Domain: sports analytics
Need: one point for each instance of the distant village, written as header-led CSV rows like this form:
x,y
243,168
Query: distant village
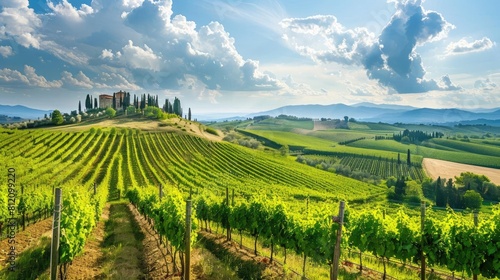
x,y
122,100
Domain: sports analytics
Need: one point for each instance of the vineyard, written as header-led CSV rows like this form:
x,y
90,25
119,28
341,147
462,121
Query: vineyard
x,y
384,168
126,158
281,204
458,243
377,166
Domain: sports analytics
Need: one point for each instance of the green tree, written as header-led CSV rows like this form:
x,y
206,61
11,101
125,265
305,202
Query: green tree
x,y
284,150
189,114
400,188
79,107
110,112
441,193
391,181
429,189
452,194
472,200
143,102
57,117
130,110
473,181
408,159
177,107
492,192
95,103
88,103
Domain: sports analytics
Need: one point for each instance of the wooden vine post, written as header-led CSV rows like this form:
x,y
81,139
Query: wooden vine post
x,y
24,208
228,229
334,270
476,222
56,231
232,199
187,265
422,226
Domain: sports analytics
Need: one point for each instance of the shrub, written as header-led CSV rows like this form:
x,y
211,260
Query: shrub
x,y
212,131
472,199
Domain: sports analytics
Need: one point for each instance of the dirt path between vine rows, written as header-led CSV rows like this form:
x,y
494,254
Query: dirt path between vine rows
x,y
89,264
25,239
124,246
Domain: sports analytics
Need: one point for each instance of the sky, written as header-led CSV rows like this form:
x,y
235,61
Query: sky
x,y
241,56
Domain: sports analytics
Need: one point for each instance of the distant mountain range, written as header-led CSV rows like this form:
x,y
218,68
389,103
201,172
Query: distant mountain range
x,y
22,112
389,113
362,111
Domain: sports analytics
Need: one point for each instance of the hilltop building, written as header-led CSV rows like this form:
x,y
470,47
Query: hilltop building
x,y
119,97
105,101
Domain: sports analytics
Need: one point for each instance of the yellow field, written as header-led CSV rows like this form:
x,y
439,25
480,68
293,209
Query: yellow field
x,y
447,169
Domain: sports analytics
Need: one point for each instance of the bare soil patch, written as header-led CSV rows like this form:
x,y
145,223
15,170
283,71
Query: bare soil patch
x,y
26,239
447,169
324,125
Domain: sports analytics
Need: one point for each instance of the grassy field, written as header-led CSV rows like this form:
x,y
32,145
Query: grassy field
x,y
322,145
475,145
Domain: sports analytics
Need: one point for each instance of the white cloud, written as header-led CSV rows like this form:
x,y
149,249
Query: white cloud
x,y
106,54
463,46
79,81
139,40
324,39
39,81
140,58
132,3
29,78
115,81
19,22
300,89
485,84
65,9
13,76
391,58
6,51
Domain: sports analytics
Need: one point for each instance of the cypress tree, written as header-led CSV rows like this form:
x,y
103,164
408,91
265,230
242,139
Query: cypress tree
x,y
87,102
114,101
408,158
79,107
177,107
143,102
189,114
95,103
399,188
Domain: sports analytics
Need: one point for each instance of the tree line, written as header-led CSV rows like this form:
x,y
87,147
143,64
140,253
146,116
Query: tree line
x,y
468,190
139,103
415,136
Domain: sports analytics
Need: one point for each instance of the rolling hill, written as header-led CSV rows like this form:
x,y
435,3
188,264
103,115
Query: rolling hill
x,y
370,112
22,112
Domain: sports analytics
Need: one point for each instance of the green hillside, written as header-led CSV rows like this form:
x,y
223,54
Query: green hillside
x,y
124,158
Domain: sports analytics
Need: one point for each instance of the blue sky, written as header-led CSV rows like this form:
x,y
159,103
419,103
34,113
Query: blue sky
x,y
238,56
